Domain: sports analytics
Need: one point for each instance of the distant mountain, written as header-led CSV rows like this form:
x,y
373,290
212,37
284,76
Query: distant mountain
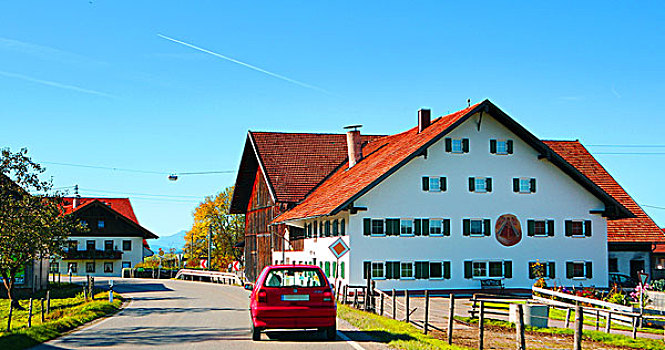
x,y
176,240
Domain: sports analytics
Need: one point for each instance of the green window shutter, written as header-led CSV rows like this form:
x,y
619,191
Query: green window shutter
x,y
488,184
327,268
552,270
396,227
449,144
446,227
446,269
416,229
367,265
532,272
389,227
444,183
531,225
492,146
550,228
425,269
533,185
569,269
389,270
589,269
465,145
466,224
341,269
342,226
509,146
419,270
335,228
396,271
569,228
487,227
425,225
334,269
367,226
425,183
516,184
587,228
472,184
468,269
508,269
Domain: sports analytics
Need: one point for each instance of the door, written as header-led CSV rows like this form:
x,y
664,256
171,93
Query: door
x,y
636,266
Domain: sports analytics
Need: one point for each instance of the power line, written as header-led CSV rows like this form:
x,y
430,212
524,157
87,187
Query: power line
x,y
634,146
141,194
652,206
140,171
632,153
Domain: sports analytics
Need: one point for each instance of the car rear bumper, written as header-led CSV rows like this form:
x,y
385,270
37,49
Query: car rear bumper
x,y
294,322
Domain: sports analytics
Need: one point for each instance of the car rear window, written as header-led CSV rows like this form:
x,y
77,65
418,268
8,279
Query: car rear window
x,y
294,277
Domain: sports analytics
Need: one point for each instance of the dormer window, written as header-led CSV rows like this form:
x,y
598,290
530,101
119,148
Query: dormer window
x,y
501,146
457,145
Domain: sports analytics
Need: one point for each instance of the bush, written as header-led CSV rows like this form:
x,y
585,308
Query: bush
x,y
658,285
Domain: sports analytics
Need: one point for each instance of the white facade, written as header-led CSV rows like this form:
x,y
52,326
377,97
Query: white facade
x,y
103,267
557,197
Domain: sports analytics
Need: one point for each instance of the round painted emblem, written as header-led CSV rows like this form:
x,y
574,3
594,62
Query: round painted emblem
x,y
508,230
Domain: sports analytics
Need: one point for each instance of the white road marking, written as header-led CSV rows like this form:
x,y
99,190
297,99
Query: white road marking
x,y
349,341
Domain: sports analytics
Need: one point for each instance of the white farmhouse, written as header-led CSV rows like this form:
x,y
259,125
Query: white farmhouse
x,y
114,239
467,200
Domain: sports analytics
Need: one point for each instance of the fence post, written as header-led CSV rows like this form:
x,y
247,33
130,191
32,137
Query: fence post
x,y
382,296
30,314
339,290
519,328
92,288
579,318
369,285
48,302
346,292
451,315
608,322
634,327
372,300
406,296
567,318
481,326
355,299
42,301
426,311
9,319
597,320
394,305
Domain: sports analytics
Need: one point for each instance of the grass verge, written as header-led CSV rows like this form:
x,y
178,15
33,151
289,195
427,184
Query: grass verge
x,y
396,334
557,314
609,339
66,314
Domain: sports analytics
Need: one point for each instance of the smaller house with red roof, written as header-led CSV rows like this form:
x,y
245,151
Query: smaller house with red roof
x,y
467,200
114,239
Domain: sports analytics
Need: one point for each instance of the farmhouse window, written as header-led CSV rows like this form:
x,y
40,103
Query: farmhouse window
x,y
436,270
579,269
480,184
542,269
90,245
492,269
377,270
406,270
108,267
90,267
501,146
108,245
524,185
540,228
578,228
457,145
406,227
100,223
476,227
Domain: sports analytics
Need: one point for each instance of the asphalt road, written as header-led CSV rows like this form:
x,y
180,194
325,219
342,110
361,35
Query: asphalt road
x,y
169,314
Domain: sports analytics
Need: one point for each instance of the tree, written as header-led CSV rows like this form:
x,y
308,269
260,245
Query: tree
x,y
33,223
227,231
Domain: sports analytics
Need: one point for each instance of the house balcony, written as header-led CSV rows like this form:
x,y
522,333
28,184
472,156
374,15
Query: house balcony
x,y
75,254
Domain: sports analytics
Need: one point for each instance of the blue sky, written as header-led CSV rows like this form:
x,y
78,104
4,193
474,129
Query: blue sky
x,y
93,83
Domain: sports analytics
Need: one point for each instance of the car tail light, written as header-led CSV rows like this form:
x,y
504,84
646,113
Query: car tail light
x,y
262,297
327,295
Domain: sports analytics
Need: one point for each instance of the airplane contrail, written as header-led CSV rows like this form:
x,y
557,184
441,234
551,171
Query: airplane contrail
x,y
245,64
54,84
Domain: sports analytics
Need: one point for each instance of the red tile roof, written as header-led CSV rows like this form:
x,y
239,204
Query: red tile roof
x,y
639,229
296,162
380,158
121,205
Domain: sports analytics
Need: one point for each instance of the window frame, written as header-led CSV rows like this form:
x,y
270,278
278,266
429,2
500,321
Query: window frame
x,y
525,185
584,272
107,263
482,227
382,265
473,269
406,234
434,182
453,143
89,263
479,180
413,270
383,227
443,272
486,264
101,224
500,142
440,226
575,223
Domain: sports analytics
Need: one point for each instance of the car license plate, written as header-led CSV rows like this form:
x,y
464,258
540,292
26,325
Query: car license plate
x,y
295,297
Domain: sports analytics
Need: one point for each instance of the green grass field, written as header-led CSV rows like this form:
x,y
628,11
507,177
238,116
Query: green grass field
x,y
68,311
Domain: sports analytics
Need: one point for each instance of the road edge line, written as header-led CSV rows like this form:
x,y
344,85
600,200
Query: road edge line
x,y
349,341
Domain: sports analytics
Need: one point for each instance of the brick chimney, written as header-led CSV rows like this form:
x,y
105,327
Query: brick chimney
x,y
424,119
77,197
354,144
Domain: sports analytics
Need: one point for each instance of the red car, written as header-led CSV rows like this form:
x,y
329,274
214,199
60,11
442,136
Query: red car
x,y
292,297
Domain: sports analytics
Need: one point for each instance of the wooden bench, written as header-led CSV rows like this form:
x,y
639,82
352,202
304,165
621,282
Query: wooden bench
x,y
491,284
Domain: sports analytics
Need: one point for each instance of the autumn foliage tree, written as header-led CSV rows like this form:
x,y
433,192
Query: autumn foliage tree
x,y
227,231
32,220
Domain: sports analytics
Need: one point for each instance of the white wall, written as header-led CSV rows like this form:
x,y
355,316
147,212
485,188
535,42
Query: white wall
x,y
133,256
624,258
558,197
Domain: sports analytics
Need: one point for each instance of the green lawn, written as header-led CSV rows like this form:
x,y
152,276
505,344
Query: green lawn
x,y
396,334
68,311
